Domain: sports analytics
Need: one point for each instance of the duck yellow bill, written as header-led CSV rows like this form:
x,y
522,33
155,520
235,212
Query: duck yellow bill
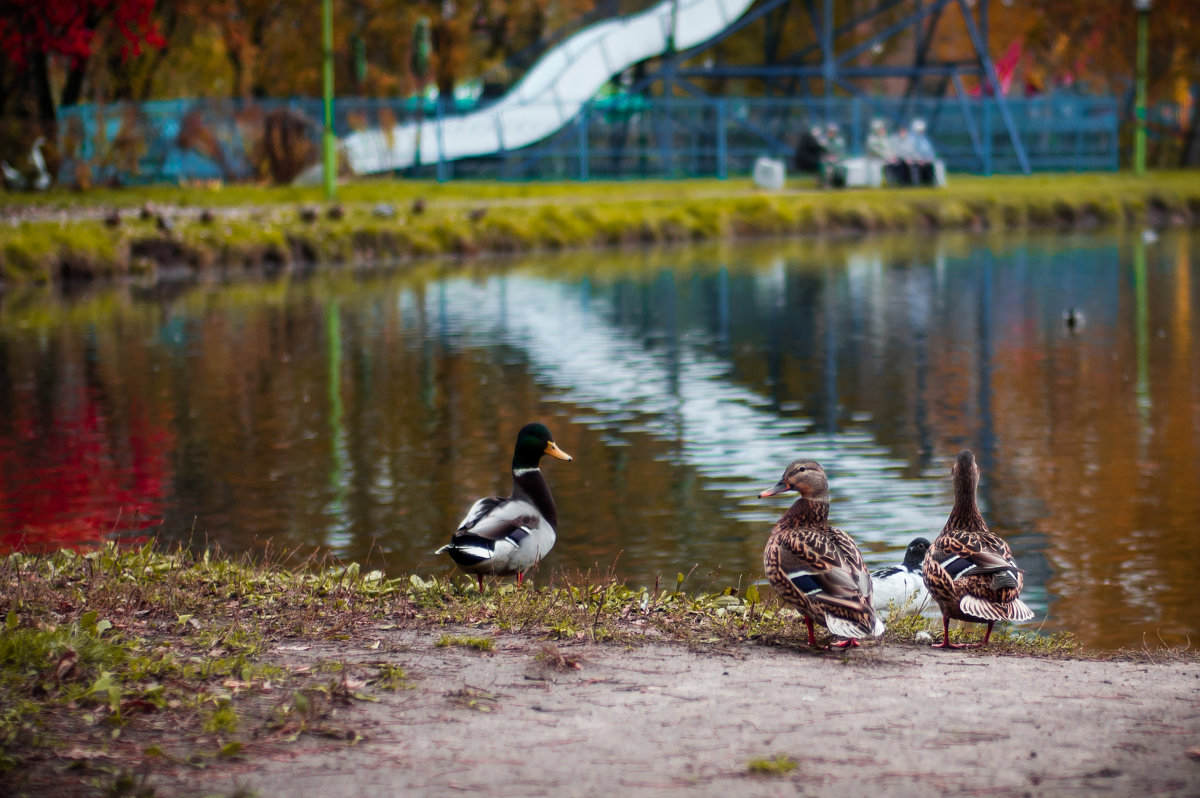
x,y
553,450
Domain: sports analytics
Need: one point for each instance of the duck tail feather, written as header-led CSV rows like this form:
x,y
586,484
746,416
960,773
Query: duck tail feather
x,y
842,627
984,610
1019,611
470,551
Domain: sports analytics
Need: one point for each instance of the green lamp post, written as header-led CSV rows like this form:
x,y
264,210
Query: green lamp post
x,y
1139,140
328,140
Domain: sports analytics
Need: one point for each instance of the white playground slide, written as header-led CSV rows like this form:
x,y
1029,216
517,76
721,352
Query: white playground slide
x,y
553,91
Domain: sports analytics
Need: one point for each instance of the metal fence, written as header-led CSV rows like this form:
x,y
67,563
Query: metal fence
x,y
613,138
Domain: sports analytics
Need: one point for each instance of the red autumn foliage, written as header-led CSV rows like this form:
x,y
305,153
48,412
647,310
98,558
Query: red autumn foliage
x,y
84,479
67,27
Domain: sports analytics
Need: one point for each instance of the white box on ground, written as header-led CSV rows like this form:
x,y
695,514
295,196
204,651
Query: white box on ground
x,y
769,173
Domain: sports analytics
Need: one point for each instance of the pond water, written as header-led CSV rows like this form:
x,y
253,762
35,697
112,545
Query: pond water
x,y
362,413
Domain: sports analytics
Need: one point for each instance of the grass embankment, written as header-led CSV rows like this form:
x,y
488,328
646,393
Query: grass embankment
x,y
140,231
118,660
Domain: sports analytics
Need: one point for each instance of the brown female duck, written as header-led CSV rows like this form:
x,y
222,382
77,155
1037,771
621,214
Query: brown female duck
x,y
816,567
970,572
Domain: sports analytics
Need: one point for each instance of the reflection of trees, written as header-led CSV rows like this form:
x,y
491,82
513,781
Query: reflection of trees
x,y
83,455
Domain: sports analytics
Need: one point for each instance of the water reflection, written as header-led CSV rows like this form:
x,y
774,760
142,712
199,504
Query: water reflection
x,y
365,413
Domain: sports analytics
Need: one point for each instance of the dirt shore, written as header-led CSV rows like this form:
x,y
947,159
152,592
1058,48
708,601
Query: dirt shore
x,y
534,718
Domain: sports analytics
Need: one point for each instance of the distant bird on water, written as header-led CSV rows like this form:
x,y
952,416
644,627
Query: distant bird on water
x,y
970,572
815,567
508,535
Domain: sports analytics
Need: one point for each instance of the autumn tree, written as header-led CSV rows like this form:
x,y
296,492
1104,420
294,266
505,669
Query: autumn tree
x,y
43,38
1094,45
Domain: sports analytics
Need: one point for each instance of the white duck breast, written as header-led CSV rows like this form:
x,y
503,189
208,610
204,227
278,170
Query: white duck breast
x,y
903,585
898,586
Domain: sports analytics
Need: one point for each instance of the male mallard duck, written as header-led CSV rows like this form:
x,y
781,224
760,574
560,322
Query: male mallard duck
x,y
508,535
969,571
817,567
903,585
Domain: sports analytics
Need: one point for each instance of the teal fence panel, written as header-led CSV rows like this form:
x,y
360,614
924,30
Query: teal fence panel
x,y
620,137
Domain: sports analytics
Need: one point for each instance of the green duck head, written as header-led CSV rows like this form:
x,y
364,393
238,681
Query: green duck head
x,y
533,441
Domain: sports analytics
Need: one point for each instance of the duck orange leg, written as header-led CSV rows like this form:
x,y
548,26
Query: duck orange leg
x,y
946,636
480,578
812,638
849,642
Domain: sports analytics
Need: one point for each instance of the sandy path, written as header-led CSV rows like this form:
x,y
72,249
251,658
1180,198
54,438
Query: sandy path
x,y
660,720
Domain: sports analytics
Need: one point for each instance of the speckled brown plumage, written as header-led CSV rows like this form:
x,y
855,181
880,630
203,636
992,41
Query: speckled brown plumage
x,y
970,571
816,567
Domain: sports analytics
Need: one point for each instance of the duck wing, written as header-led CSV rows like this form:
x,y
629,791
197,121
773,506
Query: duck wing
x,y
982,572
964,553
498,517
491,534
826,567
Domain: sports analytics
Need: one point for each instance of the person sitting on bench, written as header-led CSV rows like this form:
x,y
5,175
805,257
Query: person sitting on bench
x,y
833,170
810,151
923,155
879,147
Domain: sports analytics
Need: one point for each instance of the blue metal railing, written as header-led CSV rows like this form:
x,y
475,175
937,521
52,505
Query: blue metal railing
x,y
618,137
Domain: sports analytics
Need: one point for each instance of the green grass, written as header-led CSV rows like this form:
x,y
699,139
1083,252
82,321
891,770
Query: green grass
x,y
477,643
49,238
777,766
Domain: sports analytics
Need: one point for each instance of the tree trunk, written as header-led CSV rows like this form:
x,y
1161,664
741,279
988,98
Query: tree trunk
x,y
1188,156
73,88
39,75
170,23
258,36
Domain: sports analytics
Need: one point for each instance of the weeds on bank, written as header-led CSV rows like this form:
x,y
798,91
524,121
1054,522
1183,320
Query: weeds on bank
x,y
111,647
104,651
279,228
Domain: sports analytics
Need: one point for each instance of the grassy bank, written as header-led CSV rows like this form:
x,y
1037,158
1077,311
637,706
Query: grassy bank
x,y
114,660
145,231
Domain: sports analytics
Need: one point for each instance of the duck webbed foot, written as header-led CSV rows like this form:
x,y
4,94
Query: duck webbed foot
x,y
849,642
947,644
946,637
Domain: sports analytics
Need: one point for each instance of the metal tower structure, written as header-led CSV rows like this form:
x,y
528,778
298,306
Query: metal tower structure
x,y
835,64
